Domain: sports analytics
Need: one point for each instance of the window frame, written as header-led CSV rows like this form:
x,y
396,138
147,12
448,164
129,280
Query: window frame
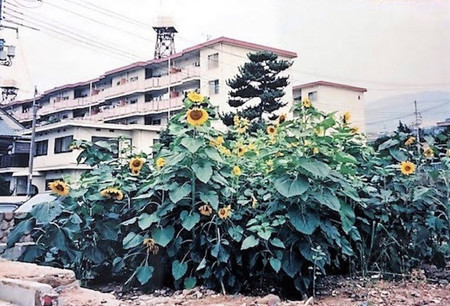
x,y
57,150
213,60
37,144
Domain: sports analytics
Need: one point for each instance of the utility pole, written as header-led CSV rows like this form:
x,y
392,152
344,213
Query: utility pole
x,y
417,125
33,137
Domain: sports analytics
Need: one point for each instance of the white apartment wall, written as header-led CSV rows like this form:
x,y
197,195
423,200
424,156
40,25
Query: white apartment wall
x,y
230,58
331,99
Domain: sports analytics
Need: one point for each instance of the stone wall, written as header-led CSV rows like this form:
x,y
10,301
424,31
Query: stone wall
x,y
6,225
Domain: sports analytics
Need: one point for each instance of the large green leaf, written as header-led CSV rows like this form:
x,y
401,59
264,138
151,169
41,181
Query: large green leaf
x,y
249,242
20,230
399,155
131,240
189,220
291,264
213,154
277,242
291,187
163,236
108,229
144,273
315,167
192,144
275,263
387,144
178,269
304,222
189,282
347,217
46,212
179,193
145,220
203,171
211,198
328,199
345,158
236,232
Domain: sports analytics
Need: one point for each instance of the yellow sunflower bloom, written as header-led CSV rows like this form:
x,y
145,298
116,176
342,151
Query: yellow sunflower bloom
x,y
448,152
224,212
307,142
355,130
59,187
241,151
135,171
205,210
271,130
195,97
251,146
281,118
160,162
315,150
346,118
136,163
407,167
306,102
224,150
237,171
197,116
410,141
236,120
112,193
269,164
428,153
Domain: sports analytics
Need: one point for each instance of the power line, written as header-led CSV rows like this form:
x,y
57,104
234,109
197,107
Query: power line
x,y
92,41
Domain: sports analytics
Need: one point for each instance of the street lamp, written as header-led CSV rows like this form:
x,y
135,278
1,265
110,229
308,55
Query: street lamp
x,y
7,53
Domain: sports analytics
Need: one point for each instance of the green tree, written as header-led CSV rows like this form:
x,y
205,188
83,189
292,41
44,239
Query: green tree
x,y
258,79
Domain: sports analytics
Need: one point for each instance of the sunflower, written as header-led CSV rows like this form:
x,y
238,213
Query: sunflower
x,y
315,150
251,147
236,120
241,151
407,167
195,97
149,243
224,212
136,163
217,142
428,153
269,164
197,116
271,130
160,162
281,118
205,210
135,171
306,103
112,193
59,187
355,130
307,142
410,141
346,118
237,171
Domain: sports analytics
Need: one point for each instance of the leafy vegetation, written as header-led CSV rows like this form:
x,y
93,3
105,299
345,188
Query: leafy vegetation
x,y
291,200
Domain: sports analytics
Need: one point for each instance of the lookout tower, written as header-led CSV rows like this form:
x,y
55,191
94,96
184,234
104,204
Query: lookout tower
x,y
165,36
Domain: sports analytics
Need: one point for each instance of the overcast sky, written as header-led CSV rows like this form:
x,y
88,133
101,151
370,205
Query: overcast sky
x,y
390,47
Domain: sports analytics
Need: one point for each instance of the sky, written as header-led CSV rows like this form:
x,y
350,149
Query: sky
x,y
390,47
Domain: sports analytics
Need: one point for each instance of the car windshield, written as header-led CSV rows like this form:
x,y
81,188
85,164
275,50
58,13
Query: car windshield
x,y
37,199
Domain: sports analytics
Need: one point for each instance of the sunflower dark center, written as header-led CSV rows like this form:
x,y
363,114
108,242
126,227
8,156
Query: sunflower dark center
x,y
136,163
196,114
59,187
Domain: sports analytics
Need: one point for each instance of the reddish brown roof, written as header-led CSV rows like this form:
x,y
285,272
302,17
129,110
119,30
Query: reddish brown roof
x,y
325,83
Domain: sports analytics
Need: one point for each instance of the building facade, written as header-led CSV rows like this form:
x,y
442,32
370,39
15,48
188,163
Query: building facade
x,y
134,101
333,97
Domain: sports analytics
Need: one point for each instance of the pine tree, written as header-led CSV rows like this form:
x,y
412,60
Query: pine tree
x,y
259,79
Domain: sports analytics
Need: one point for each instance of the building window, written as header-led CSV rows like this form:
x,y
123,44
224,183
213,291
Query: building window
x,y
156,122
213,60
62,144
359,97
213,87
312,96
134,79
133,101
41,148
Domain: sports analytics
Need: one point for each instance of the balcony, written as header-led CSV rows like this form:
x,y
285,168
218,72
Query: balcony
x,y
137,108
14,160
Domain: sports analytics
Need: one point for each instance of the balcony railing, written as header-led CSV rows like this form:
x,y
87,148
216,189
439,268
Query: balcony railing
x,y
14,160
137,108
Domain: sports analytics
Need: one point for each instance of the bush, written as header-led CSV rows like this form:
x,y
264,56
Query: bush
x,y
232,211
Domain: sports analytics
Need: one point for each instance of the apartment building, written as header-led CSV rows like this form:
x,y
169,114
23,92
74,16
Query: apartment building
x,y
333,97
147,92
134,101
